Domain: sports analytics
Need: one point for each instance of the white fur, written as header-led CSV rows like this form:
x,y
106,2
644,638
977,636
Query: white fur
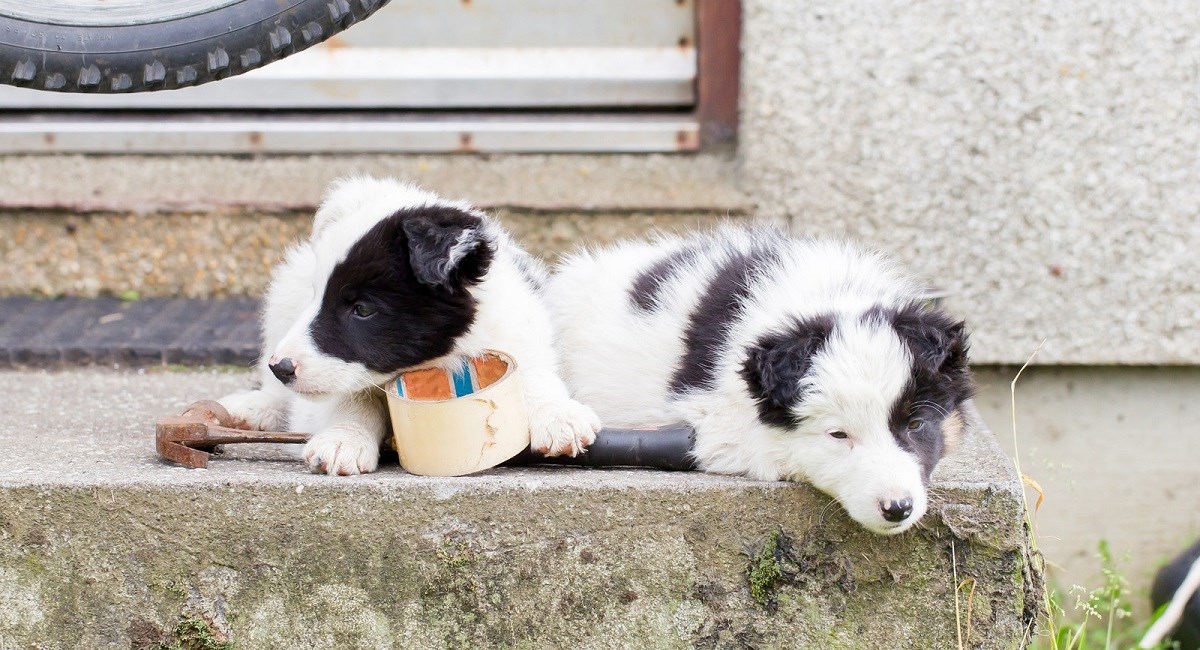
x,y
619,360
342,403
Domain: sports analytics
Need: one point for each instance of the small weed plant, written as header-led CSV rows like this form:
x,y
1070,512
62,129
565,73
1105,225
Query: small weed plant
x,y
1097,619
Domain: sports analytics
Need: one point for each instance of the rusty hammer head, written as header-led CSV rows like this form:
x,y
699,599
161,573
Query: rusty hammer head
x,y
183,439
188,439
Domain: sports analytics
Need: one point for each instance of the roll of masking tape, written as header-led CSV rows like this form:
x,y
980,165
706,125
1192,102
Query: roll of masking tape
x,y
459,421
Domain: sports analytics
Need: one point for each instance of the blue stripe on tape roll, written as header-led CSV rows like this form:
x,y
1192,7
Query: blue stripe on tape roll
x,y
462,380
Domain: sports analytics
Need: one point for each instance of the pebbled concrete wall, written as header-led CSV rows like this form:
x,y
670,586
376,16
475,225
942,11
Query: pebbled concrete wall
x,y
1039,158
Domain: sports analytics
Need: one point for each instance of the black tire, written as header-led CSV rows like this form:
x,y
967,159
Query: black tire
x,y
188,50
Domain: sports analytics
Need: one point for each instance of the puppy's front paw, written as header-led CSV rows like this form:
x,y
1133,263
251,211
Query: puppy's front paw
x,y
255,410
562,428
342,453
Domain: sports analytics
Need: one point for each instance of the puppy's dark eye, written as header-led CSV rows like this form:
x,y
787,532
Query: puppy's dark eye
x,y
363,310
840,435
915,423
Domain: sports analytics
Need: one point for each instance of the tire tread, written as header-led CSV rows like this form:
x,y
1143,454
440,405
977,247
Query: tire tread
x,y
258,43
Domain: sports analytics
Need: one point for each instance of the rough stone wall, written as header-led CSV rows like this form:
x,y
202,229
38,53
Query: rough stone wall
x,y
1038,158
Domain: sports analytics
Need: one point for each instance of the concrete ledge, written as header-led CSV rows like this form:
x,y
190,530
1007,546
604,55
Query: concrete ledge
x,y
105,546
560,182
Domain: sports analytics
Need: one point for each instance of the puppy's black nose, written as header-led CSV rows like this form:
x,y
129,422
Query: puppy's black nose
x,y
284,371
896,510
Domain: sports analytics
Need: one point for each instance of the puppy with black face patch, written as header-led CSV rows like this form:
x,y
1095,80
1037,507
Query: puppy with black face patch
x,y
793,359
392,278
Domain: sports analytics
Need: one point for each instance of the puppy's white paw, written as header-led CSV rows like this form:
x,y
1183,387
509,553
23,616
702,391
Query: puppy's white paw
x,y
342,453
562,428
255,409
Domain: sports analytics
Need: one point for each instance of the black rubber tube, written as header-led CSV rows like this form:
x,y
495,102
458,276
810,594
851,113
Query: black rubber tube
x,y
666,448
173,53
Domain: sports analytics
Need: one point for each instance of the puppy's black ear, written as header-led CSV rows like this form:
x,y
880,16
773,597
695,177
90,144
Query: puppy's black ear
x,y
447,248
776,365
938,342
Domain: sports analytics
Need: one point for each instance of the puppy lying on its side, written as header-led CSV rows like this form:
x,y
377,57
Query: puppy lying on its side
x,y
395,277
793,359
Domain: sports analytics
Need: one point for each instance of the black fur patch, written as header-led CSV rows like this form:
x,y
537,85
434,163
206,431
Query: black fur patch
x,y
646,287
402,270
776,365
719,307
443,246
940,380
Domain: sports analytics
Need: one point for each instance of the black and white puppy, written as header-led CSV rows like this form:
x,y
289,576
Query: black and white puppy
x,y
793,359
395,277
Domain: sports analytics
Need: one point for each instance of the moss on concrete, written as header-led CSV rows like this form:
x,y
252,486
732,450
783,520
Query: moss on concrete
x,y
194,633
764,571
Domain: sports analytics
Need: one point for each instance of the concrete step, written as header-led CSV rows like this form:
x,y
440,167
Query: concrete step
x,y
201,226
229,251
107,331
104,546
